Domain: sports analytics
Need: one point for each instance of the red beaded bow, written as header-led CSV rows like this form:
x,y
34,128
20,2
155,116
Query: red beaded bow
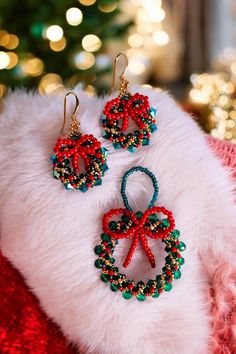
x,y
138,229
76,148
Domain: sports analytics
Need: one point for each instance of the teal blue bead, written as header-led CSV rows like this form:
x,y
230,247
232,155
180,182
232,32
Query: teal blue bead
x,y
83,188
105,277
112,225
103,118
141,297
139,214
131,148
145,142
153,112
117,146
98,263
113,287
98,250
105,168
165,223
181,261
98,182
68,186
105,237
104,151
155,294
177,274
53,158
105,135
153,128
175,233
126,295
182,246
168,287
56,175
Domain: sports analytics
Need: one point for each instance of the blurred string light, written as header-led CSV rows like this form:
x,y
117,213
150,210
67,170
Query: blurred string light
x,y
32,67
58,46
107,7
217,93
146,36
4,60
74,16
91,43
87,2
54,33
51,83
84,60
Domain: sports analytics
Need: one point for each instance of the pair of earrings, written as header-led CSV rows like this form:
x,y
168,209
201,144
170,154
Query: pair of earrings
x,y
115,119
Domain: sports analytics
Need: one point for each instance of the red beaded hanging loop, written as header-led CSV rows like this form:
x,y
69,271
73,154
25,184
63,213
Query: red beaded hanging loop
x,y
155,223
75,146
116,114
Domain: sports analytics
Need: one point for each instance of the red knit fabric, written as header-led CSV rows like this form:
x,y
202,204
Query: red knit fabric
x,y
24,327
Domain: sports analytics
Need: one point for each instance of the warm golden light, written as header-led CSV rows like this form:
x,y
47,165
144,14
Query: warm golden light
x,y
3,89
74,16
32,66
161,38
136,67
84,60
91,43
87,2
54,33
13,42
107,8
233,68
59,45
13,60
50,83
4,60
135,40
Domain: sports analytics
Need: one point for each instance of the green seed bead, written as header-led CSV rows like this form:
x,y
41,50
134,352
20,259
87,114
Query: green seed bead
x,y
141,297
98,263
126,295
155,294
177,274
165,223
181,261
139,214
168,287
98,250
182,246
104,277
105,237
114,287
153,217
175,233
112,225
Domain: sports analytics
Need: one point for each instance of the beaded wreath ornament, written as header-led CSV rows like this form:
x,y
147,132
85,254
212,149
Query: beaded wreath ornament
x,y
69,150
156,223
116,114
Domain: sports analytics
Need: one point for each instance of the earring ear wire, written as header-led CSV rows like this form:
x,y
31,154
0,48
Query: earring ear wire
x,y
75,125
124,84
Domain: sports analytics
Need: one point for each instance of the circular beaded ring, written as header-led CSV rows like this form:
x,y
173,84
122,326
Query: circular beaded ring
x,y
155,222
116,114
69,150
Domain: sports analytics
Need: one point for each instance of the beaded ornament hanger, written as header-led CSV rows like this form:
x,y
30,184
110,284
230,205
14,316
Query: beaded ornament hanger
x,y
139,226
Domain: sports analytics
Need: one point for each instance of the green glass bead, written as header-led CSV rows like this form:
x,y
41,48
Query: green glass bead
x,y
98,263
155,294
168,287
105,237
104,277
112,260
165,223
177,274
126,295
112,225
175,233
56,175
141,297
181,261
182,246
125,219
114,287
98,250
153,217
139,214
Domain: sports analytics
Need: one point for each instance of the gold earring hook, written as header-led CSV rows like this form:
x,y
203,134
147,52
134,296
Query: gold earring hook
x,y
74,124
115,69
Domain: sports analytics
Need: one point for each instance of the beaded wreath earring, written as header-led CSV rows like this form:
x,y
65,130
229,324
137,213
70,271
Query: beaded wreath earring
x,y
138,226
67,152
115,117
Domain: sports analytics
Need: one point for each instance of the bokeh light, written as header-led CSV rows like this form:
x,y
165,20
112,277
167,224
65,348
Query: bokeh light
x,y
4,60
108,7
74,16
91,43
13,60
54,33
161,38
87,2
59,45
135,40
51,83
84,60
32,66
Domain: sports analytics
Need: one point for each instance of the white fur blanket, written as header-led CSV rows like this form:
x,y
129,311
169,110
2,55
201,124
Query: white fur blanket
x,y
49,233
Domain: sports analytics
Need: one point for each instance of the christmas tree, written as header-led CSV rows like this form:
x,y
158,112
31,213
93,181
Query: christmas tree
x,y
49,44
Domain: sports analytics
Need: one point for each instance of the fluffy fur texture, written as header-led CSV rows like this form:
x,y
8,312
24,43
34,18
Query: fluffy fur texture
x,y
49,233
